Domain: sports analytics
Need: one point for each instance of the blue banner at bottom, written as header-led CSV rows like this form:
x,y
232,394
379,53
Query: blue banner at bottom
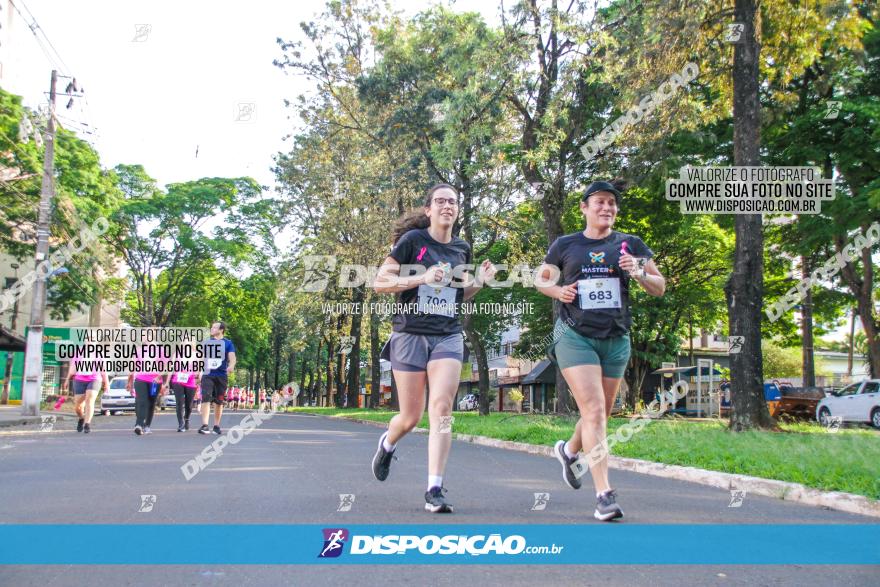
x,y
609,544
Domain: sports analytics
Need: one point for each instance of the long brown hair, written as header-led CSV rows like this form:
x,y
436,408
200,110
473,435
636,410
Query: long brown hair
x,y
416,219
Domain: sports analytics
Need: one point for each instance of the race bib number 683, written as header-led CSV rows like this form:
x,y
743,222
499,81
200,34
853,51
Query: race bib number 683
x,y
599,293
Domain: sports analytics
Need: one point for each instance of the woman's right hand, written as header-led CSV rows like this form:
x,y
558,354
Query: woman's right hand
x,y
435,275
567,293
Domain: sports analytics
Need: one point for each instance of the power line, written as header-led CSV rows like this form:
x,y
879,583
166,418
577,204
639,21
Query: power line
x,y
23,197
56,61
34,27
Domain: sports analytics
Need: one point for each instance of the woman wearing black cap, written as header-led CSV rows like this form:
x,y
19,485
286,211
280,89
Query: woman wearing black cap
x,y
596,266
427,345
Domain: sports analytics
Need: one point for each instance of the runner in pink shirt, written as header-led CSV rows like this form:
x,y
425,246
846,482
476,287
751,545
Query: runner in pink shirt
x,y
184,386
148,387
86,387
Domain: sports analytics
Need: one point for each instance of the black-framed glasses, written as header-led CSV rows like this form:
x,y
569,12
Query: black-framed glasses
x,y
450,201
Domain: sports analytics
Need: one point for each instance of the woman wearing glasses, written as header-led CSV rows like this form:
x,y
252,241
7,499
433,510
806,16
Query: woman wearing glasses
x,y
427,270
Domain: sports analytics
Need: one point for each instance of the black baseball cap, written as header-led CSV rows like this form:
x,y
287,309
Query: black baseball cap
x,y
601,186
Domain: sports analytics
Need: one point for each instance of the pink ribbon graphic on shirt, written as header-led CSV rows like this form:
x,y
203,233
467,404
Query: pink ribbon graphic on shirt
x,y
623,249
421,253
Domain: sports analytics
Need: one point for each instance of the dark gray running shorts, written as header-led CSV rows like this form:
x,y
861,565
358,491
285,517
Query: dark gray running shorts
x,y
412,352
80,387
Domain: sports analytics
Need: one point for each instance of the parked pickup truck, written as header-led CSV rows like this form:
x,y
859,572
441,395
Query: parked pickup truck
x,y
783,399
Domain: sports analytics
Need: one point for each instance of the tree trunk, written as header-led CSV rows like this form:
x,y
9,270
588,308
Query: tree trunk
x,y
809,368
302,373
479,351
375,365
354,357
328,392
872,332
339,381
291,369
861,287
277,340
467,321
745,287
318,366
852,333
635,375
334,376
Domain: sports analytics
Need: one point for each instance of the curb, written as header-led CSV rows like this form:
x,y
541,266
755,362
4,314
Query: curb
x,y
25,420
785,490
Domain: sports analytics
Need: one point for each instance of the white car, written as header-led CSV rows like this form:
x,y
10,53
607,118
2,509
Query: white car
x,y
468,403
859,402
116,399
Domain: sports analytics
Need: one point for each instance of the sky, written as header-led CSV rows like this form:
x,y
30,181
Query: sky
x,y
185,88
165,78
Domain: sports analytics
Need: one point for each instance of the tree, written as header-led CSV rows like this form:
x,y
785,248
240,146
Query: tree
x,y
424,79
83,193
776,44
161,236
695,281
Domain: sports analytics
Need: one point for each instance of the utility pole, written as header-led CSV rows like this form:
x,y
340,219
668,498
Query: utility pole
x,y
33,359
852,333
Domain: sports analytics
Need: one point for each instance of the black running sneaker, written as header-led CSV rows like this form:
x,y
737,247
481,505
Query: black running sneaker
x,y
204,429
606,506
180,427
138,430
217,429
79,424
186,424
382,460
435,501
86,429
567,474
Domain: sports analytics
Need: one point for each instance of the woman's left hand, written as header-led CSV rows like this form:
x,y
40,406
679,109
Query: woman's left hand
x,y
486,271
630,264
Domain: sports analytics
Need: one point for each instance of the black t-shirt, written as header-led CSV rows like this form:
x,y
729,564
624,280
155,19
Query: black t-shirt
x,y
430,310
601,307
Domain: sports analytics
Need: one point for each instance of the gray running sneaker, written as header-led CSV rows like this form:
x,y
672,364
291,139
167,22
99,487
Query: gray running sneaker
x,y
567,474
382,459
606,507
435,501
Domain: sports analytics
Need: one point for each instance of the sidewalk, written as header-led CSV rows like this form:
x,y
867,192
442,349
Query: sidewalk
x,y
11,416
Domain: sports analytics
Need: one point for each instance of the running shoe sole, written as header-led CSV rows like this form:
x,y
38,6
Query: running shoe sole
x,y
439,509
618,513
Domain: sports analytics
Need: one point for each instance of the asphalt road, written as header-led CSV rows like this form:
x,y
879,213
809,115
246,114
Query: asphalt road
x,y
292,469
